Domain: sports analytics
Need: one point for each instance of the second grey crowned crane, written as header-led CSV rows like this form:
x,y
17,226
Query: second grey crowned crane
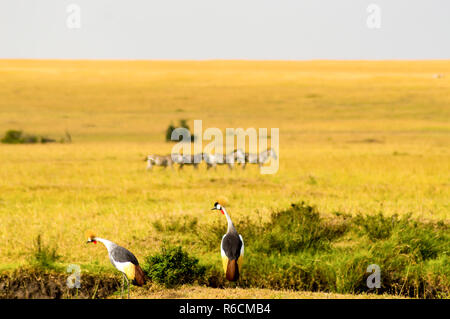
x,y
123,260
231,247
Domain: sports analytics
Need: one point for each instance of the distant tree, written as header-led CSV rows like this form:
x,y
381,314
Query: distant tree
x,y
12,137
169,131
171,128
18,137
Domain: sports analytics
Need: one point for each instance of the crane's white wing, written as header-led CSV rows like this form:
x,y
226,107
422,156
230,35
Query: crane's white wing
x,y
242,248
222,252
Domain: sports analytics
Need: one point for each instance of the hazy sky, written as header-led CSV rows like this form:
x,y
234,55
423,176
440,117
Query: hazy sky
x,y
225,29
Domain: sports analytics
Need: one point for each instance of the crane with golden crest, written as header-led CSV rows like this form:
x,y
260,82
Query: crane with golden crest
x,y
123,260
231,247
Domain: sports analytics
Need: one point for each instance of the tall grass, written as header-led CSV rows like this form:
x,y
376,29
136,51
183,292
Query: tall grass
x,y
353,138
44,256
299,249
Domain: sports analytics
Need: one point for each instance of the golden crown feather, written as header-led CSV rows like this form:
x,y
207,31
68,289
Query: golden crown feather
x,y
222,200
90,234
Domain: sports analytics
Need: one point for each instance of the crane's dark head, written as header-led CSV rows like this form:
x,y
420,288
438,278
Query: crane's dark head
x,y
91,238
217,206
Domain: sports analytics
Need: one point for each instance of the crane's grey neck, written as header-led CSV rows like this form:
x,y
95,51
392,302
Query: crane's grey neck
x,y
108,244
231,228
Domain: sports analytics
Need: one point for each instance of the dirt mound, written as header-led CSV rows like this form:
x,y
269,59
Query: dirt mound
x,y
38,284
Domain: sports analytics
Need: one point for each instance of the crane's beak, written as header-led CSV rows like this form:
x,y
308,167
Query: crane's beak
x,y
213,208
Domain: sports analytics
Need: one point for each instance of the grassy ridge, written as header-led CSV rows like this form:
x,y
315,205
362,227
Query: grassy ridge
x,y
301,250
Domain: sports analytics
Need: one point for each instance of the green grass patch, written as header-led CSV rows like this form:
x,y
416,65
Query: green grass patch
x,y
300,249
185,224
44,256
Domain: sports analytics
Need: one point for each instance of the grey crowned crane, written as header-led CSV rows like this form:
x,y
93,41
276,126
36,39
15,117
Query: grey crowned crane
x,y
124,261
231,247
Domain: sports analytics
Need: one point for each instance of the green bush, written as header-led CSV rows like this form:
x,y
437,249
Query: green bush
x,y
171,128
298,228
45,140
12,137
18,137
376,226
172,267
169,131
422,240
44,256
300,249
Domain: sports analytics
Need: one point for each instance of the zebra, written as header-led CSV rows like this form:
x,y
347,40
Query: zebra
x,y
212,160
239,157
159,160
177,158
194,160
261,158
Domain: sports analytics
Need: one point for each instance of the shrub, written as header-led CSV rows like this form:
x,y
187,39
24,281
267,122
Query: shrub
x,y
12,137
298,228
169,131
18,137
171,128
47,140
183,123
376,226
31,139
422,240
172,267
44,256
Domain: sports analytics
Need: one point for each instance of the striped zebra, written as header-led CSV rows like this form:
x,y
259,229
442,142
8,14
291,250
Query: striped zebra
x,y
261,158
212,160
194,160
239,157
159,160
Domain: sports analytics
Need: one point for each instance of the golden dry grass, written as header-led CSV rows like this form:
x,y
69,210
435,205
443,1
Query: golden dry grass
x,y
196,292
354,137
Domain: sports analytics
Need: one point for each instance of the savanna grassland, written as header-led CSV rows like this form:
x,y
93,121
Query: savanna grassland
x,y
357,139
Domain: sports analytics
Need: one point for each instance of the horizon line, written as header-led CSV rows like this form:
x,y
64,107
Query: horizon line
x,y
225,60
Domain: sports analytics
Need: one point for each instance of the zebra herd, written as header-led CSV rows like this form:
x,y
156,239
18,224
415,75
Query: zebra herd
x,y
237,157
